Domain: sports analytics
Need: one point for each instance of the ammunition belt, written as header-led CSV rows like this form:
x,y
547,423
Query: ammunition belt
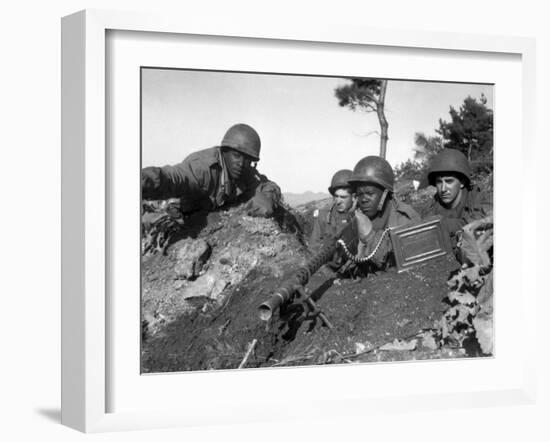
x,y
356,258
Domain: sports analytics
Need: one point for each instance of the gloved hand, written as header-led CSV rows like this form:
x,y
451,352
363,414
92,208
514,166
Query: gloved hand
x,y
260,206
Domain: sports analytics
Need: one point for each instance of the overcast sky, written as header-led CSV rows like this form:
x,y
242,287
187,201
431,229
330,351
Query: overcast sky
x,y
306,136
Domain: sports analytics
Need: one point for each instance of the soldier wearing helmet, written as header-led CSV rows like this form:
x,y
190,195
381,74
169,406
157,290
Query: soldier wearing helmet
x,y
456,200
372,182
329,222
214,177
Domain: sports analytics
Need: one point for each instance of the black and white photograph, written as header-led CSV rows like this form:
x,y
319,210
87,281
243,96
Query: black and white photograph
x,y
293,220
232,221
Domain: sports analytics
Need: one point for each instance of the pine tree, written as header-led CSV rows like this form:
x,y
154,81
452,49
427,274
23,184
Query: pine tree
x,y
470,131
369,95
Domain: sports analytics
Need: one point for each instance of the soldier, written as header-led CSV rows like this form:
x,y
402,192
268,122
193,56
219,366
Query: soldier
x,y
372,182
329,222
456,200
363,246
215,177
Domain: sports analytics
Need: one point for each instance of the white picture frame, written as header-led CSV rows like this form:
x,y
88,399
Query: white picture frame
x,y
85,216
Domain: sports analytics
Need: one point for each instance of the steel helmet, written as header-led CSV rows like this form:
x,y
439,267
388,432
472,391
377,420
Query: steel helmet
x,y
339,180
449,160
244,139
373,169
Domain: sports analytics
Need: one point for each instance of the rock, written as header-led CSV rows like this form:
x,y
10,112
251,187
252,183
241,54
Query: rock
x,y
398,345
428,341
483,325
218,287
213,218
224,261
190,255
179,284
209,285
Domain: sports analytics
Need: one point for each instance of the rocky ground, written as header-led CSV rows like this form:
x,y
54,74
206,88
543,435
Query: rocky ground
x,y
200,302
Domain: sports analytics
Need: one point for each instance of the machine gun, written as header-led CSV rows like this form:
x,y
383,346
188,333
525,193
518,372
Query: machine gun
x,y
293,289
412,245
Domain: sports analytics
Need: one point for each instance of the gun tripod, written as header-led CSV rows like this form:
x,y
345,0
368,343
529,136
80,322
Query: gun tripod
x,y
311,307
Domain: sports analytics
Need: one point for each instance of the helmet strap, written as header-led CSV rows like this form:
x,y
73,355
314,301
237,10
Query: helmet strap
x,y
382,200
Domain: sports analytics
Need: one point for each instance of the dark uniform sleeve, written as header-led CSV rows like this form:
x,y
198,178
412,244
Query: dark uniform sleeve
x,y
481,206
478,206
174,181
350,237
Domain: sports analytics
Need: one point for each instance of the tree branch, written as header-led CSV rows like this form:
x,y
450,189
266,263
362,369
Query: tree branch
x,y
368,134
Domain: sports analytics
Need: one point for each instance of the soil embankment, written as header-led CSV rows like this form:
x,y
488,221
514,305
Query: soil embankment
x,y
205,315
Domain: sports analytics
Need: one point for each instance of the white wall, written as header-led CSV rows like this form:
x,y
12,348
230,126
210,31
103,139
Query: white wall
x,y
30,219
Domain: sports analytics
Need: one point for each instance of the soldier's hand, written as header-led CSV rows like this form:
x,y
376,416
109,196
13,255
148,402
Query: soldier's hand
x,y
260,206
353,207
364,225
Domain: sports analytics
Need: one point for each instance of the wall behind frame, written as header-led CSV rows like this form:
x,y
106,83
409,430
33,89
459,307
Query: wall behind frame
x,y
30,222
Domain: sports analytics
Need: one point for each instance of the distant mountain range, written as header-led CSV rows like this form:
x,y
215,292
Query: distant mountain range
x,y
297,199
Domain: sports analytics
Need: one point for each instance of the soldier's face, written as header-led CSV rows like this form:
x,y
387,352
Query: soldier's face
x,y
343,200
449,189
236,163
368,199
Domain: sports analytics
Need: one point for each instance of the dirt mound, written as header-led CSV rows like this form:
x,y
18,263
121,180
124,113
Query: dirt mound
x,y
210,320
232,244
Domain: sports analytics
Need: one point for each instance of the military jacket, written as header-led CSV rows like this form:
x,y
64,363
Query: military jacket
x,y
396,214
474,205
328,223
202,182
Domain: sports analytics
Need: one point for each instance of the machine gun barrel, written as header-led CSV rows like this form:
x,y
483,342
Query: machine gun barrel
x,y
285,292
